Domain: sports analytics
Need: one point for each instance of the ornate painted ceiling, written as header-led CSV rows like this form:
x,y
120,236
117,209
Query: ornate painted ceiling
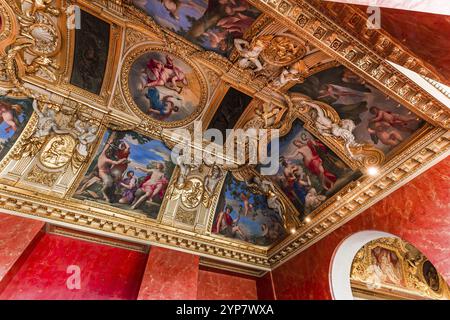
x,y
96,94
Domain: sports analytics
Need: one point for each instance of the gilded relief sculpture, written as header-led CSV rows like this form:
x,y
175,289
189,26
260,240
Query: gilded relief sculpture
x,y
46,125
211,181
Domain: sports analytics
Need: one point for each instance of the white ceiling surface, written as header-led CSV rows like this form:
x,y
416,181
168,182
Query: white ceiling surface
x,y
429,6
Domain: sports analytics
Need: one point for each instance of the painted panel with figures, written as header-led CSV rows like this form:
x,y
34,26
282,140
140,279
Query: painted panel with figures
x,y
90,53
379,120
244,215
164,87
309,172
130,171
212,24
15,114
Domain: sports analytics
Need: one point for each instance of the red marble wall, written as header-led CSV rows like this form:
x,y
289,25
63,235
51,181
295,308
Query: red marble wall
x,y
220,285
169,275
106,272
17,239
424,34
419,213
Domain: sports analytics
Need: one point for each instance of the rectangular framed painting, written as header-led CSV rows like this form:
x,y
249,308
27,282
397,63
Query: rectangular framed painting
x,y
130,172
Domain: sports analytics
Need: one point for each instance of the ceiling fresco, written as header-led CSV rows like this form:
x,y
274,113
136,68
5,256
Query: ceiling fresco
x,y
245,215
91,116
309,171
129,171
15,113
163,86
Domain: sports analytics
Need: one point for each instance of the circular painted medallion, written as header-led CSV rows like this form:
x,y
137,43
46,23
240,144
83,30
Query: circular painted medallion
x,y
164,87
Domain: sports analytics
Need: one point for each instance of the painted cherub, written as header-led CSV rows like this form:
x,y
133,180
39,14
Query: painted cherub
x,y
174,7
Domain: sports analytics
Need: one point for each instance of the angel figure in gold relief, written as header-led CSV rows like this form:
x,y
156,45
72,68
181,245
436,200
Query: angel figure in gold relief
x,y
46,125
46,121
86,133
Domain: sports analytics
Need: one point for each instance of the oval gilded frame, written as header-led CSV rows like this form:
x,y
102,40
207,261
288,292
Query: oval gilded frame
x,y
136,53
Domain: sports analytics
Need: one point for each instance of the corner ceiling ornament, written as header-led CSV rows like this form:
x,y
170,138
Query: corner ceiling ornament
x,y
50,166
306,20
58,146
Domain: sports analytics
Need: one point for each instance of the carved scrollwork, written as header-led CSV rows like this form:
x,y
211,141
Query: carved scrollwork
x,y
186,217
39,176
192,193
